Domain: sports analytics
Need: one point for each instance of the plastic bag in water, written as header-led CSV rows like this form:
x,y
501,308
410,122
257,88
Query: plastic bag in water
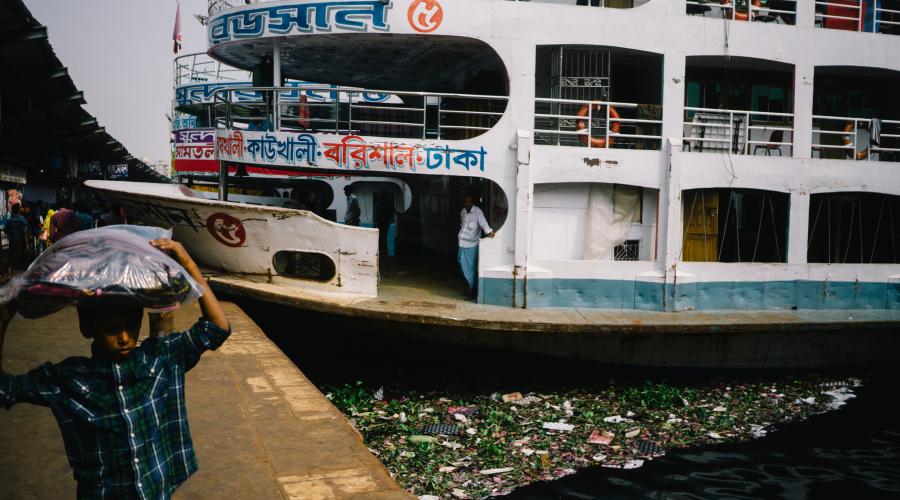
x,y
108,265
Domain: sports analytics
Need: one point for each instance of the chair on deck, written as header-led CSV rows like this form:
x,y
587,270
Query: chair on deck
x,y
774,144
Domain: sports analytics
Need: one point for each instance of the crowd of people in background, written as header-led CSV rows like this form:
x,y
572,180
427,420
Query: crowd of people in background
x,y
32,227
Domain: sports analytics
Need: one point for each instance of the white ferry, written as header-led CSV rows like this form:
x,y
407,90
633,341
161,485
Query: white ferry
x,y
643,156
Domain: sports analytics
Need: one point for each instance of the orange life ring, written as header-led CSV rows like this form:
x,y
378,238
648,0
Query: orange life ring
x,y
581,124
738,15
304,112
849,128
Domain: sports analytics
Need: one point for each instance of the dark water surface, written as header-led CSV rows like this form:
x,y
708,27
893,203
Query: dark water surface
x,y
852,453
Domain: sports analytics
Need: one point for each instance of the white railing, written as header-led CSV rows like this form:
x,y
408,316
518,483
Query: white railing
x,y
784,11
220,5
200,68
738,131
849,138
598,124
591,3
853,15
422,115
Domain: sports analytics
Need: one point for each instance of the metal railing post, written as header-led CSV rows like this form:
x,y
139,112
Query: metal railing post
x,y
425,118
608,125
337,114
337,96
590,123
276,100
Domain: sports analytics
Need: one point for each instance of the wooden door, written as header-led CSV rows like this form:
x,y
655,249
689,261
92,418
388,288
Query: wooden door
x,y
701,226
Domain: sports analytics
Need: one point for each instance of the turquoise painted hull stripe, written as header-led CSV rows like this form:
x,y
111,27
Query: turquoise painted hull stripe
x,y
718,295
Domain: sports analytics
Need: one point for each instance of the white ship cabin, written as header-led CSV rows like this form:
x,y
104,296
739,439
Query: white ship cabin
x,y
662,154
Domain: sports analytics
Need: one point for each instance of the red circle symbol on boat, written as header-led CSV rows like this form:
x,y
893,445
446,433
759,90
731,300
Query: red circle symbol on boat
x,y
425,16
226,229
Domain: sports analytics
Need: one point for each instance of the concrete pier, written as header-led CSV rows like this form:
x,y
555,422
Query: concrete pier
x,y
260,428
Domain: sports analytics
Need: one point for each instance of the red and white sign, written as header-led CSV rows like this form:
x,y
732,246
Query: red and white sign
x,y
226,229
425,16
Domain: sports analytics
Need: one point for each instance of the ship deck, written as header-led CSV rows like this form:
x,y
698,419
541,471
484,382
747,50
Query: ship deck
x,y
426,303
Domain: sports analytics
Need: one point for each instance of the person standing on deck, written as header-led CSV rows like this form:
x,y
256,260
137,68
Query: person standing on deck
x,y
351,217
471,224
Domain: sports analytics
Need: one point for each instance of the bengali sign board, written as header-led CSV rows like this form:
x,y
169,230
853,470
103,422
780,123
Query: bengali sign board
x,y
204,93
348,153
332,16
195,150
296,18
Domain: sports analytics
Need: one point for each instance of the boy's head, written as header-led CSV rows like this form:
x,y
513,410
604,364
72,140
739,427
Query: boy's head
x,y
114,328
468,201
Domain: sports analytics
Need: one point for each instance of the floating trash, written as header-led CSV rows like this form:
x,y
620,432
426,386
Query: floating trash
x,y
488,443
601,437
514,396
649,448
441,429
558,426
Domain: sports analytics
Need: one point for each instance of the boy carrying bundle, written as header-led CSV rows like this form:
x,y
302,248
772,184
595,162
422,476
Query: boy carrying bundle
x,y
122,411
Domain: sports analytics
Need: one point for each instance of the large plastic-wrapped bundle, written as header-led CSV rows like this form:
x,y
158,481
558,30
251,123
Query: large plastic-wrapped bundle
x,y
109,265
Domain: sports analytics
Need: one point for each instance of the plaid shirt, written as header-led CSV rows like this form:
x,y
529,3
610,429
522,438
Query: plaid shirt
x,y
124,424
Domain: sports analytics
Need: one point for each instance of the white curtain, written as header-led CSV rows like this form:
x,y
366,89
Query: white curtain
x,y
611,212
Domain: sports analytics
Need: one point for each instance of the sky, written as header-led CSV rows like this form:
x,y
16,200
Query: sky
x,y
119,52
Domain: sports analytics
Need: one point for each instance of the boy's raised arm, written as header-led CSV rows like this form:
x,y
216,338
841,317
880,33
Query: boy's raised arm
x,y
209,304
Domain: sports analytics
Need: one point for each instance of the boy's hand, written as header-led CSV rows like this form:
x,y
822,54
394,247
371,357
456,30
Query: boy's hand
x,y
209,305
175,249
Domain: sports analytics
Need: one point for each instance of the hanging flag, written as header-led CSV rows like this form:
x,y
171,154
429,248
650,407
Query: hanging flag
x,y
176,34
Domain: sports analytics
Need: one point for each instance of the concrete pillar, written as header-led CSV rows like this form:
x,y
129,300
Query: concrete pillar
x,y
806,13
670,219
524,196
673,96
804,75
798,227
669,223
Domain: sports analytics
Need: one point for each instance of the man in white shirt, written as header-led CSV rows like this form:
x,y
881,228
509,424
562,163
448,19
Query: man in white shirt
x,y
471,224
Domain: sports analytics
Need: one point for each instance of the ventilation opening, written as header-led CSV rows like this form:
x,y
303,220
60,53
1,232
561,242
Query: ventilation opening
x,y
304,265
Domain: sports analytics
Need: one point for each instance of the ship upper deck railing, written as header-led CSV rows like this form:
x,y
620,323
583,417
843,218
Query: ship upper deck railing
x,y
872,16
766,11
200,68
852,138
597,124
612,4
736,131
220,5
356,111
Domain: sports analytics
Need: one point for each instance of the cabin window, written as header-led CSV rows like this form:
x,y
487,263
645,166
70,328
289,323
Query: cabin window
x,y
304,265
854,228
572,83
855,114
734,225
593,222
